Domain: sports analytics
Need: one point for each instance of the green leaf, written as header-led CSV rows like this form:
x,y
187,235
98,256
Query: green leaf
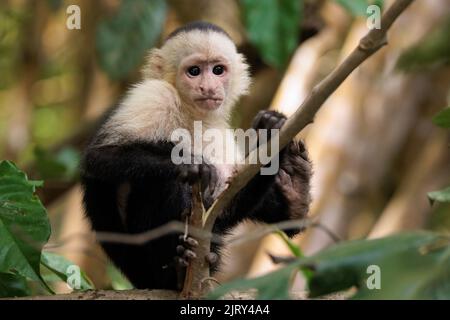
x,y
274,285
354,7
273,27
441,196
13,285
55,4
358,8
118,280
24,225
433,50
62,165
297,252
123,40
413,266
442,119
64,268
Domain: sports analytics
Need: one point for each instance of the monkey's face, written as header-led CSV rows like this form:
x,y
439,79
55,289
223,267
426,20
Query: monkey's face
x,y
203,81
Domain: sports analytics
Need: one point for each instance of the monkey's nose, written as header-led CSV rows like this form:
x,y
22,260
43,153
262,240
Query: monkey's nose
x,y
207,91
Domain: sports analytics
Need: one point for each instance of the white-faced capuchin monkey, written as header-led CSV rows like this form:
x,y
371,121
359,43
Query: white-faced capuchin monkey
x,y
131,184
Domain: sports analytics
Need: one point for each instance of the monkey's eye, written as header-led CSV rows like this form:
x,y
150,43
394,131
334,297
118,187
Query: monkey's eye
x,y
218,70
194,71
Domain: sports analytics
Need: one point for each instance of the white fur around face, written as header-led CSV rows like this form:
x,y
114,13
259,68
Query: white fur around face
x,y
153,109
164,63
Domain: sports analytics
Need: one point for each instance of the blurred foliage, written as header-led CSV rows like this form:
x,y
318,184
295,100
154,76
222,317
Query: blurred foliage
x,y
123,39
59,266
62,165
55,4
10,40
25,228
24,224
441,196
359,7
273,27
296,251
413,266
434,50
442,119
13,285
117,278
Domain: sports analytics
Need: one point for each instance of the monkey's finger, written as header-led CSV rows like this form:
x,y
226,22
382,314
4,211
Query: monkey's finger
x,y
188,242
191,242
257,119
212,258
284,179
189,255
279,124
180,250
182,262
272,121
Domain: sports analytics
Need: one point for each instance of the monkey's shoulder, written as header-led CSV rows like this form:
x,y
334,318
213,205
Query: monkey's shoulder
x,y
152,93
147,113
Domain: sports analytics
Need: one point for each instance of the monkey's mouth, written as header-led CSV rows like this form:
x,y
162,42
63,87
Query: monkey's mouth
x,y
210,103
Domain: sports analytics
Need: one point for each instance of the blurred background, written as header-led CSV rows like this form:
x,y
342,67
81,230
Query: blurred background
x,y
375,150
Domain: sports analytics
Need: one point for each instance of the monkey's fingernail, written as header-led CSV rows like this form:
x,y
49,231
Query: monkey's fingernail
x,y
189,254
192,242
182,262
212,258
180,249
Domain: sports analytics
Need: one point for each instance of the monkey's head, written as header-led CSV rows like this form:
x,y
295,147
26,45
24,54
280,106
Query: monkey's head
x,y
202,63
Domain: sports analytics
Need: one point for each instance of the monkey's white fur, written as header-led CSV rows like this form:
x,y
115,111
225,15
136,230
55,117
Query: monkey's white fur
x,y
153,108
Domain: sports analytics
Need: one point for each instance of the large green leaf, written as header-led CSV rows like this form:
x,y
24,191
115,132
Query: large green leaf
x,y
273,27
274,285
123,40
441,196
61,267
412,266
24,225
13,285
442,119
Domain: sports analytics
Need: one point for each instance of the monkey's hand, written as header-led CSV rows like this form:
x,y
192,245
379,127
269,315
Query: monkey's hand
x,y
203,173
268,119
185,254
294,178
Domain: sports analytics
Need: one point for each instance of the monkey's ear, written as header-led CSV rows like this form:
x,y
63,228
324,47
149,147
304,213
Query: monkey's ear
x,y
154,68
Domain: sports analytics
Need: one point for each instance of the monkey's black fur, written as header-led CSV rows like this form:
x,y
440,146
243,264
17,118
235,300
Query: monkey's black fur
x,y
155,195
198,25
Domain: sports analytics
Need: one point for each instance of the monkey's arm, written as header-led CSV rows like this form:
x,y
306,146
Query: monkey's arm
x,y
117,163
